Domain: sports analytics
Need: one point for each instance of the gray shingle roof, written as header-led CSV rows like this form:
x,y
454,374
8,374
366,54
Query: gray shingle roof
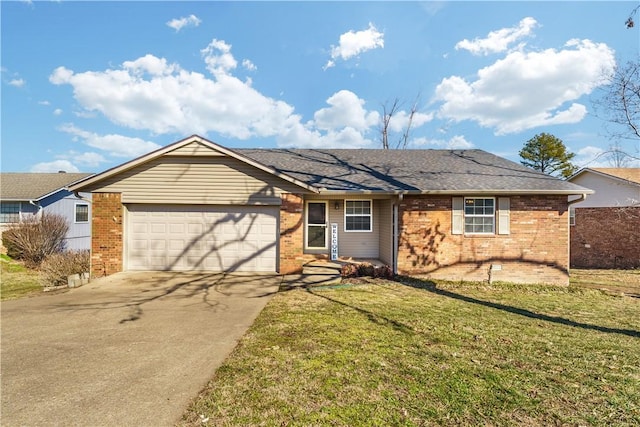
x,y
33,186
390,171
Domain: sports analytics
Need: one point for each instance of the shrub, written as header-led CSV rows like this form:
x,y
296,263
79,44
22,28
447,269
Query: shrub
x,y
366,269
349,270
384,272
35,239
57,267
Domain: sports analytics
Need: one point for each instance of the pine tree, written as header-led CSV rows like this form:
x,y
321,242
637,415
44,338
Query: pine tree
x,y
548,154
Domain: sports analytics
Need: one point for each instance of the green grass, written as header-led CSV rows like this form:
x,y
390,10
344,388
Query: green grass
x,y
385,353
16,280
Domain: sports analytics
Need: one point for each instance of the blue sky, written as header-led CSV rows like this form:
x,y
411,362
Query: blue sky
x,y
89,85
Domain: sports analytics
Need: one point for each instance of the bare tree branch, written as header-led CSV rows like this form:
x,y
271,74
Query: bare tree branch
x,y
387,114
629,22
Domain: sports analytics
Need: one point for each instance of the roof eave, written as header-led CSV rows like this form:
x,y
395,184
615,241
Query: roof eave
x,y
603,174
79,185
515,192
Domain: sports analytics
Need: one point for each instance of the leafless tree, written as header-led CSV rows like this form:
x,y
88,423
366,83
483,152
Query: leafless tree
x,y
389,110
619,106
617,157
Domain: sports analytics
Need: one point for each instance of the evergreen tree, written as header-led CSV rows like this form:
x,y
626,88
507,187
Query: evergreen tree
x,y
548,154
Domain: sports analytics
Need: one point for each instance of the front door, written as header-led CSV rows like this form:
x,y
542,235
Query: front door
x,y
316,225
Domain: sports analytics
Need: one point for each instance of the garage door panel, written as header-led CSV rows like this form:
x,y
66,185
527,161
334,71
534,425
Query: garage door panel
x,y
202,238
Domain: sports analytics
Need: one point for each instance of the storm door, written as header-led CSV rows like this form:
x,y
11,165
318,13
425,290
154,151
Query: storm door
x,y
316,225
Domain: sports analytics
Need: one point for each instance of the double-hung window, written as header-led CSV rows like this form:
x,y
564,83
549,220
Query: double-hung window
x,y
357,215
479,215
82,212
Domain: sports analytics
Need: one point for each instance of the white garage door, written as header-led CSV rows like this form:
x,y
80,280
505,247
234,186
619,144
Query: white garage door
x,y
209,238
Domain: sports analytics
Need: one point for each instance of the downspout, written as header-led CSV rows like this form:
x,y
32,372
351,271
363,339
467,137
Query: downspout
x,y
396,238
582,198
78,196
37,205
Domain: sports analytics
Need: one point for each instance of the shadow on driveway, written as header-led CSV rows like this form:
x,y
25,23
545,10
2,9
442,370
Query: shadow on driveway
x,y
128,349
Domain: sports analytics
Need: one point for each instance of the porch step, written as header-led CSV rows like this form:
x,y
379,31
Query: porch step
x,y
322,268
292,281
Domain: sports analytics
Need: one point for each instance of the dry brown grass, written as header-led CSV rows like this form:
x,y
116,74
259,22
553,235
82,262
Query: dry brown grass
x,y
620,281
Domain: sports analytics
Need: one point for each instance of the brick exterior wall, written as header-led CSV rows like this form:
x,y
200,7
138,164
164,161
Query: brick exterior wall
x,y
292,256
606,238
106,241
535,251
291,234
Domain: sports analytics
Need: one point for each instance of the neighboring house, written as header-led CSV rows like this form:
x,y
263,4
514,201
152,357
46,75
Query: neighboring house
x,y
605,228
25,195
451,214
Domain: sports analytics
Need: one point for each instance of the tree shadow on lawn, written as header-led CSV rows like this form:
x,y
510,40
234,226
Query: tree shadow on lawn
x,y
432,287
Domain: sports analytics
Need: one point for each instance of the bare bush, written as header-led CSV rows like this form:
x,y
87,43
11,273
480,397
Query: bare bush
x,y
57,267
34,239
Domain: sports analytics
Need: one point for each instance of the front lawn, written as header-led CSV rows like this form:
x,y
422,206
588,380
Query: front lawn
x,y
16,280
625,281
385,353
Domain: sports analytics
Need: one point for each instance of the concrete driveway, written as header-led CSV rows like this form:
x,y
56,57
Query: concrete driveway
x,y
129,349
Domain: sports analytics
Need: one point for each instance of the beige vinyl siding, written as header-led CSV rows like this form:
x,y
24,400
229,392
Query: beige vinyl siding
x,y
355,244
194,149
197,180
385,230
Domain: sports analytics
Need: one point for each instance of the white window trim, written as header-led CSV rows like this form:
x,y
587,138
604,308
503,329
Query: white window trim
x,y
306,225
572,216
75,213
464,212
345,215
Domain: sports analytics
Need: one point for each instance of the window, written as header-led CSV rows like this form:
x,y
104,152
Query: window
x,y
479,215
82,212
357,215
572,216
9,212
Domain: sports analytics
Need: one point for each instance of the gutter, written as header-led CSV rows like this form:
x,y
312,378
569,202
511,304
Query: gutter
x,y
36,204
77,195
582,198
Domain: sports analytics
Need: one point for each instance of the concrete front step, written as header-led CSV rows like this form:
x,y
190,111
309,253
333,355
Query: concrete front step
x,y
321,270
291,281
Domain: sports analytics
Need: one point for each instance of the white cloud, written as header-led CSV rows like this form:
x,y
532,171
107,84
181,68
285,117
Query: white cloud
x,y
500,40
353,43
217,55
151,65
455,142
180,23
57,112
17,82
88,159
400,120
149,93
527,90
44,103
55,166
346,110
114,145
249,65
590,156
60,76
